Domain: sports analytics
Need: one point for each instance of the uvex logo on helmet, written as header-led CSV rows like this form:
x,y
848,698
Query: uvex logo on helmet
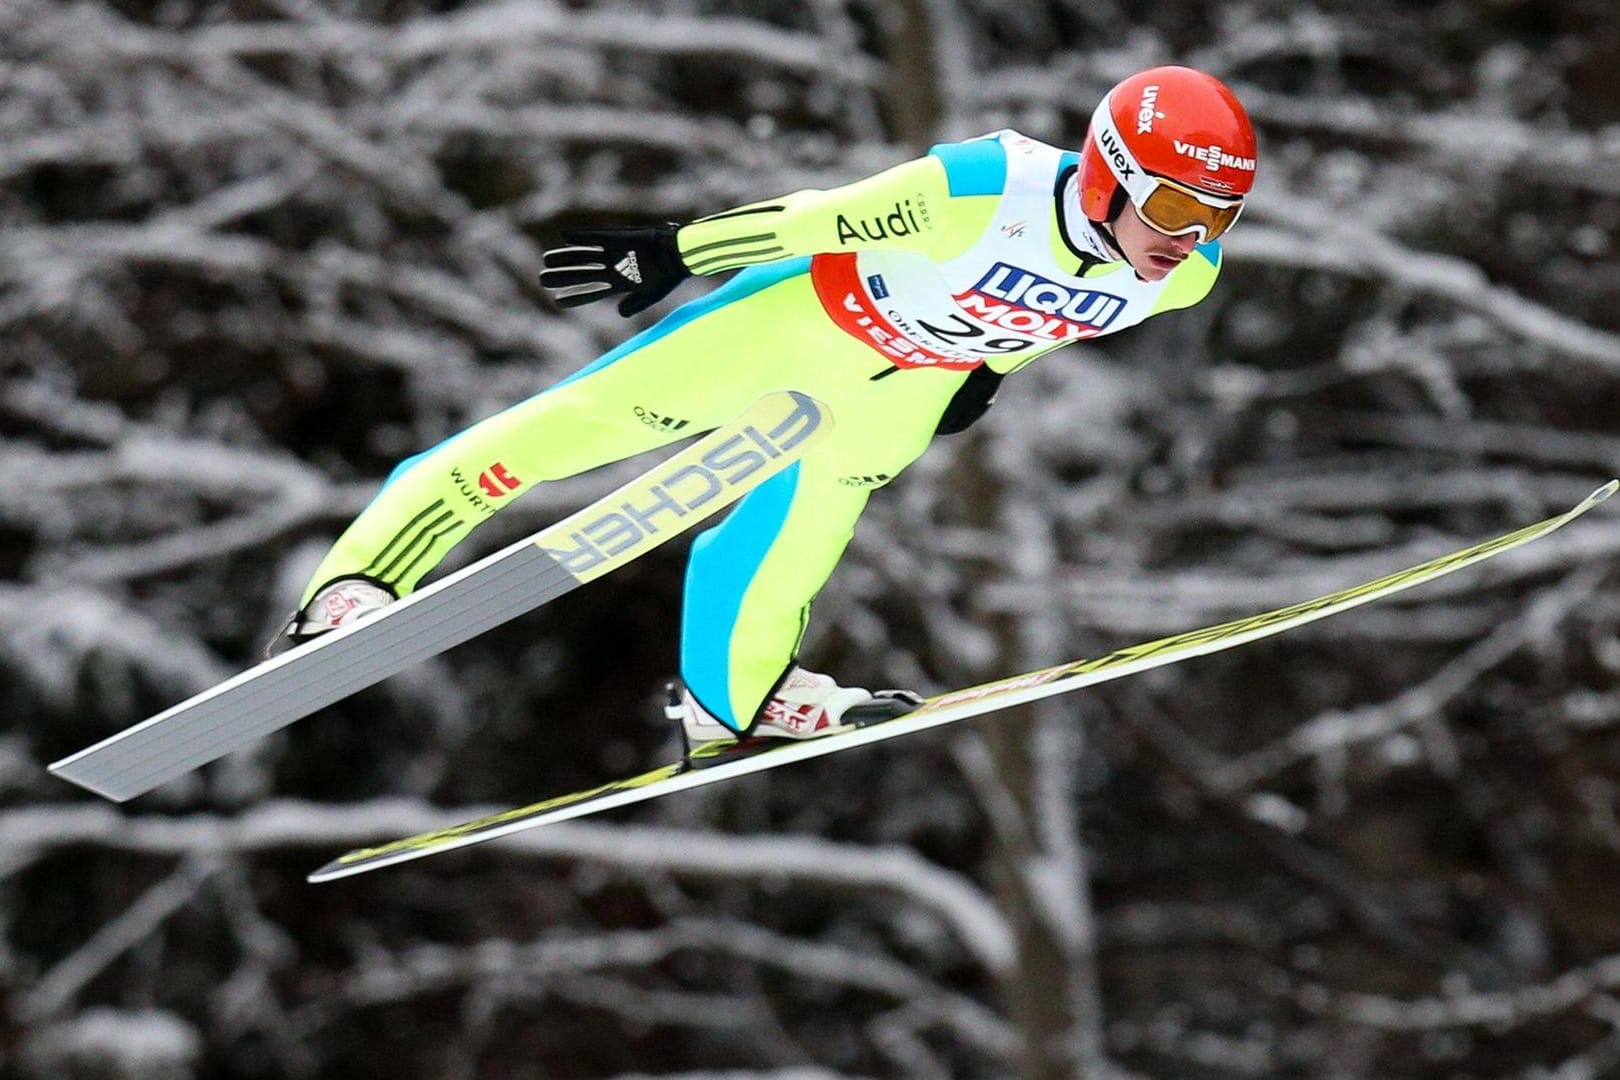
x,y
1116,155
1169,123
1145,112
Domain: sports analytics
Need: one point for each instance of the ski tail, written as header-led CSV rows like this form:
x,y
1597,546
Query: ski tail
x,y
661,503
948,708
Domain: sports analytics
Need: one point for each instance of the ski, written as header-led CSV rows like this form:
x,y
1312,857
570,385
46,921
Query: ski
x,y
714,763
661,503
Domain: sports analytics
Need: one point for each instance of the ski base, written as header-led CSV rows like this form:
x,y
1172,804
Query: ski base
x,y
713,763
660,504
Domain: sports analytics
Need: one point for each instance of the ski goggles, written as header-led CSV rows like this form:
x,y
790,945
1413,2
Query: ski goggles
x,y
1165,205
1172,209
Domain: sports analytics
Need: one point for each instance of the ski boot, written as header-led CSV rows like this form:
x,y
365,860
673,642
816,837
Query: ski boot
x,y
805,706
344,601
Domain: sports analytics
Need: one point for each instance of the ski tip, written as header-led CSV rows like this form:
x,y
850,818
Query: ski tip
x,y
324,874
1603,492
337,868
69,769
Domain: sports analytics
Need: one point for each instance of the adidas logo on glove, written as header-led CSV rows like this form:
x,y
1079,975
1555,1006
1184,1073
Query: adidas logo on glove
x,y
629,269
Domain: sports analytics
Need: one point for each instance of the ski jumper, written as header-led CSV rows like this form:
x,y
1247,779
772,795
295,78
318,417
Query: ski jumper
x,y
878,299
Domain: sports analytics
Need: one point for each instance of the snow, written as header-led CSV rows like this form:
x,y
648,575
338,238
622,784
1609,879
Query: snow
x,y
116,1044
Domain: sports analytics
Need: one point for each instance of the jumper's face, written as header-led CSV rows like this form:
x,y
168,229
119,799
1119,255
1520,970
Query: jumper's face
x,y
1151,253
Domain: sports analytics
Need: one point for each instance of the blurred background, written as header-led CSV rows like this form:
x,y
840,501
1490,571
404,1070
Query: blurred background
x,y
253,252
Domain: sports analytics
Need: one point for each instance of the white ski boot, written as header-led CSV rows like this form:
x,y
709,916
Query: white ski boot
x,y
805,706
344,601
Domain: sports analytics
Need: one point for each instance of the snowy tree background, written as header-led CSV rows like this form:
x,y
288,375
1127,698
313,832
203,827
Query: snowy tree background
x,y
252,252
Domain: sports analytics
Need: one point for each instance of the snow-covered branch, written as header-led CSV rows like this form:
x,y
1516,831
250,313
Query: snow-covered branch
x,y
1537,625
282,824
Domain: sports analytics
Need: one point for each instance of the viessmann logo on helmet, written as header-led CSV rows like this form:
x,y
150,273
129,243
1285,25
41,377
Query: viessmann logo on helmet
x,y
1214,157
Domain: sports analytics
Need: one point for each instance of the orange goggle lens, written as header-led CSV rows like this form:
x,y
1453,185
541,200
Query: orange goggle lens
x,y
1173,210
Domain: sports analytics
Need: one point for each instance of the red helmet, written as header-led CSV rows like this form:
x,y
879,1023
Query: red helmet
x,y
1178,144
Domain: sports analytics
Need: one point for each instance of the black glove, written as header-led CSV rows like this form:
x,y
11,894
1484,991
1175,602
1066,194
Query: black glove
x,y
972,400
643,263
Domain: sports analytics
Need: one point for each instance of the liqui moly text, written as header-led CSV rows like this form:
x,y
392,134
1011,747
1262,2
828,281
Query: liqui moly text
x,y
1026,303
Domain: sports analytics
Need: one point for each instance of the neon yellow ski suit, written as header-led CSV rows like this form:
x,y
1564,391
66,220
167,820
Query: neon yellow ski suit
x,y
878,299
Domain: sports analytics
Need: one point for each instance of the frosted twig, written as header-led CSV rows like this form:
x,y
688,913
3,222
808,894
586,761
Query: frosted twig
x,y
137,922
1317,238
1169,602
48,633
280,824
561,962
841,37
513,22
247,999
1595,1062
1501,1011
792,1072
1340,729
1538,444
895,1036
1477,141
